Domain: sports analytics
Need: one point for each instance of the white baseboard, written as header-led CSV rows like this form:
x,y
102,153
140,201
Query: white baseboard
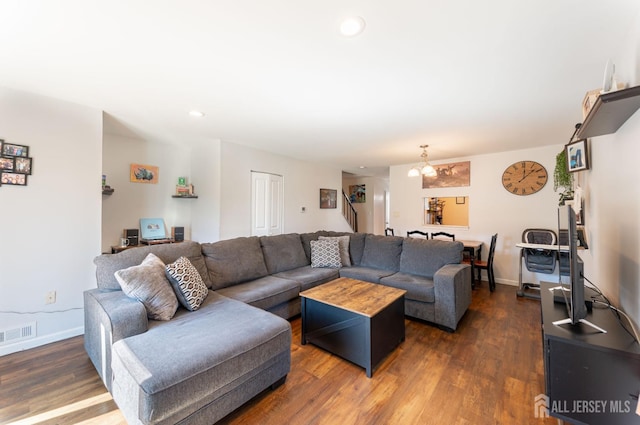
x,y
41,340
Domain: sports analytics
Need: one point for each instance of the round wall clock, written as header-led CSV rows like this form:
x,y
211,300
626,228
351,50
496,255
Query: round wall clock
x,y
524,177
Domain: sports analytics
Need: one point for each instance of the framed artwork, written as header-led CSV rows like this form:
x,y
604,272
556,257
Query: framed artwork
x,y
13,179
328,198
9,149
139,173
577,156
358,194
7,163
22,165
454,174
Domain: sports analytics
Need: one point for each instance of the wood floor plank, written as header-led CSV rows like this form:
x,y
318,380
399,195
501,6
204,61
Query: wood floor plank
x,y
487,372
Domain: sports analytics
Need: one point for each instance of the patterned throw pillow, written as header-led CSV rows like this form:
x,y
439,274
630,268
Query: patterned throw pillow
x,y
148,284
343,243
187,283
325,253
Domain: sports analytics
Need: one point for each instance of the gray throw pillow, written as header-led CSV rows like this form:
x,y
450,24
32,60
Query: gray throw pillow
x,y
325,253
343,244
187,283
148,284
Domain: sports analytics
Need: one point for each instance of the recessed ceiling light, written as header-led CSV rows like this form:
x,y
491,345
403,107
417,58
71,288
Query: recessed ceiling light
x,y
352,26
362,167
196,114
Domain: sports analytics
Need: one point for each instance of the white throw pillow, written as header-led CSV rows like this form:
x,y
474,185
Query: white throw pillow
x,y
343,243
325,253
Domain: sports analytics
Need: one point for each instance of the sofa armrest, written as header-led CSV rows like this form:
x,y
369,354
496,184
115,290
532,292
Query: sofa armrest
x,y
109,317
452,286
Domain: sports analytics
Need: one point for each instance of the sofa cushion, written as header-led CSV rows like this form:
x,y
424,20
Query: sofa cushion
x,y
108,264
367,274
425,257
343,244
382,252
148,284
283,252
356,247
234,261
187,283
309,277
306,238
418,288
325,253
264,293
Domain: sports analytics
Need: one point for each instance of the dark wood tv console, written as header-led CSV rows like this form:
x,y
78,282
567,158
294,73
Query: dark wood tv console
x,y
590,377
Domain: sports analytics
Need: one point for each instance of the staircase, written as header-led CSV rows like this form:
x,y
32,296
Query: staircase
x,y
349,212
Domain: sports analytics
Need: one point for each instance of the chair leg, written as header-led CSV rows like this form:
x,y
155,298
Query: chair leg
x,y
492,279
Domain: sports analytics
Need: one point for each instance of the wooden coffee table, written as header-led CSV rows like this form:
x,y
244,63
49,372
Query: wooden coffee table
x,y
359,321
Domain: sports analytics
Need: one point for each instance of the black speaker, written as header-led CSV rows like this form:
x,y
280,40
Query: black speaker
x,y
177,234
132,236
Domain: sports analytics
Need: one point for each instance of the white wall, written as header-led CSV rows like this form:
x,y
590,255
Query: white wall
x,y
206,171
302,184
132,201
491,208
50,228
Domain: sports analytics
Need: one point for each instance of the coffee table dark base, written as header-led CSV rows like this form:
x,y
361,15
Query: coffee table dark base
x,y
362,340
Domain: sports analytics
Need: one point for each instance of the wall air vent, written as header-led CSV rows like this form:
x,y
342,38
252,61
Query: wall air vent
x,y
18,333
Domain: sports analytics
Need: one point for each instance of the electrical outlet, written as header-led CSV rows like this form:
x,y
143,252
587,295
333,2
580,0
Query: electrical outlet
x,y
51,297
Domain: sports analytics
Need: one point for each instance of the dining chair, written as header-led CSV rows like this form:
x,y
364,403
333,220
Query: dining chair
x,y
486,265
417,232
445,234
388,231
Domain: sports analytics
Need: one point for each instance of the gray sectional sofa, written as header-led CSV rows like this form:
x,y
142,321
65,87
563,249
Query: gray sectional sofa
x,y
201,365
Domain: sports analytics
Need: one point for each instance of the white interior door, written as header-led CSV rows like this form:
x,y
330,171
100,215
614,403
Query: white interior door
x,y
267,203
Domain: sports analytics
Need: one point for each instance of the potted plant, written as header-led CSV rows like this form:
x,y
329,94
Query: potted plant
x,y
562,178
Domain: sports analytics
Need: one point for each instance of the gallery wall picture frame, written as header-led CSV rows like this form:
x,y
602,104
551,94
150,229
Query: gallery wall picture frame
x,y
358,193
23,165
10,149
14,179
7,163
328,198
577,156
140,173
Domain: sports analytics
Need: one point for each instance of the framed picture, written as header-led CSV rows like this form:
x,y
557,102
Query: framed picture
x,y
358,194
577,156
328,198
139,173
454,174
7,163
22,165
13,179
9,149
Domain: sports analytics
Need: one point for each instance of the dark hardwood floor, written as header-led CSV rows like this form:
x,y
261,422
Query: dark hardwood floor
x,y
487,372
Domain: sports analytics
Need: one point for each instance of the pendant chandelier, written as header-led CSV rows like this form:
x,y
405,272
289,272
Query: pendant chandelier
x,y
425,168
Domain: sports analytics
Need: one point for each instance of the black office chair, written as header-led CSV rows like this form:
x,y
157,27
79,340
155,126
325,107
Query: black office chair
x,y
445,234
388,231
487,265
540,260
417,232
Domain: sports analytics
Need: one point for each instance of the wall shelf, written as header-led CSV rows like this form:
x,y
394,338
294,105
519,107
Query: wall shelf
x,y
108,191
187,196
610,112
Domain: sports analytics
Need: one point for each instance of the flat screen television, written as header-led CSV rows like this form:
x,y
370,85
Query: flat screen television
x,y
571,264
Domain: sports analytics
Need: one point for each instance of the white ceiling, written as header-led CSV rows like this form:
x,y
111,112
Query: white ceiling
x,y
465,76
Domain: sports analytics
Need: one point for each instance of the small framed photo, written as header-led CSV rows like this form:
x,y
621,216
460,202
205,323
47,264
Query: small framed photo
x,y
9,149
13,179
7,163
22,165
577,156
460,200
328,198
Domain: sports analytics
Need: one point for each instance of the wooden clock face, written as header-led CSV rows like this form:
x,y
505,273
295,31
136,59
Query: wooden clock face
x,y
524,177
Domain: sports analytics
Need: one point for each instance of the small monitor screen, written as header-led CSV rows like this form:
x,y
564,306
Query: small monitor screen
x,y
152,228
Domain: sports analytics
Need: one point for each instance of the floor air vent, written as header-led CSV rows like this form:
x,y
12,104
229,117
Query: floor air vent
x,y
26,331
